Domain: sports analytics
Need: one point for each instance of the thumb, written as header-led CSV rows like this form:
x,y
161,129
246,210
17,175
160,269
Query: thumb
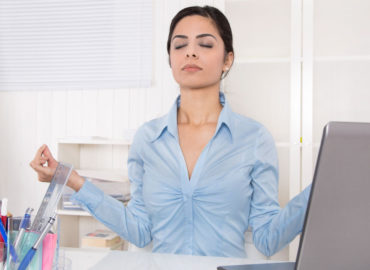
x,y
43,172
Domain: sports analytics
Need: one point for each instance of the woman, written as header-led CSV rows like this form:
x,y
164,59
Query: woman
x,y
202,174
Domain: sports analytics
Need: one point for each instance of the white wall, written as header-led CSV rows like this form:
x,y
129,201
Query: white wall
x,y
30,119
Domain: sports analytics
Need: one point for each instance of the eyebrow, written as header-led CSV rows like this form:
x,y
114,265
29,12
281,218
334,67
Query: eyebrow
x,y
198,36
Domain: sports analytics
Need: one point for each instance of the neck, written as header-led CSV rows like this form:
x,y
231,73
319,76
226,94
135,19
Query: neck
x,y
199,106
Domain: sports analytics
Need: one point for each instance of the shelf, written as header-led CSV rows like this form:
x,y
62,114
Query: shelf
x,y
284,144
94,141
287,145
77,213
266,60
116,175
98,159
350,58
62,212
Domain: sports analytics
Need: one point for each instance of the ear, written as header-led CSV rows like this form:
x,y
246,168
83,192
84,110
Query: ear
x,y
229,60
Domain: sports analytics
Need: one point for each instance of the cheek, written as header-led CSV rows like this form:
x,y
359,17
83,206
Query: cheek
x,y
215,64
174,61
175,67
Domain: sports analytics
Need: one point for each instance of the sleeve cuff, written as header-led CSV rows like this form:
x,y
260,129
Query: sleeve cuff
x,y
89,196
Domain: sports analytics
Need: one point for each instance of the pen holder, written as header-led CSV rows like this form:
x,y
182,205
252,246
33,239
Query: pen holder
x,y
44,255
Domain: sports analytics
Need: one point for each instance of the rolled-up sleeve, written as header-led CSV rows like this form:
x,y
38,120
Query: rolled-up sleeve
x,y
132,222
273,227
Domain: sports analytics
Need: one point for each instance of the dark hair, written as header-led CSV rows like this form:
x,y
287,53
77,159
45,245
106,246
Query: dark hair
x,y
219,19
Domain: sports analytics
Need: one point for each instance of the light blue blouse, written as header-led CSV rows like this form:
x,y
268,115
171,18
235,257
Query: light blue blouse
x,y
234,185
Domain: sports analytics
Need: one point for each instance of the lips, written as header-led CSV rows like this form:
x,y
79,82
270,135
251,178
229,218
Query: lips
x,y
191,67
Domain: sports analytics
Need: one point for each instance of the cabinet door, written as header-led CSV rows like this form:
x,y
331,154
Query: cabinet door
x,y
258,85
341,81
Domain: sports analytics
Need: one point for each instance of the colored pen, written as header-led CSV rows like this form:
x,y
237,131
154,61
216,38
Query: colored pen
x,y
3,233
23,226
3,219
28,258
5,237
4,211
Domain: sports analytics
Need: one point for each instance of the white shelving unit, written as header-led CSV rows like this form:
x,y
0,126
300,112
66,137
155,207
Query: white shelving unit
x,y
94,158
62,212
299,64
341,68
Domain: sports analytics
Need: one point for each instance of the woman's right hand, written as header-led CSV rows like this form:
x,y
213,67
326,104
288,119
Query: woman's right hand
x,y
45,165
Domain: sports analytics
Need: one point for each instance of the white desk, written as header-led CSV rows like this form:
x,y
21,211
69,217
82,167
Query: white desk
x,y
128,260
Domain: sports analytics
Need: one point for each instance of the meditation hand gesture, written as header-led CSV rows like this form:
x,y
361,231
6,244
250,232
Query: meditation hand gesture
x,y
45,165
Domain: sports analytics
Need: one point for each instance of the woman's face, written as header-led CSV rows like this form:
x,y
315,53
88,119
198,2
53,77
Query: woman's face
x,y
197,53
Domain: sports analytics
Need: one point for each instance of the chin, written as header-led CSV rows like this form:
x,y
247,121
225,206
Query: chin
x,y
191,84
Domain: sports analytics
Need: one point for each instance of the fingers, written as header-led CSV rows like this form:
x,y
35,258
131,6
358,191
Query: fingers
x,y
48,154
44,164
40,159
40,169
39,151
49,157
43,161
45,174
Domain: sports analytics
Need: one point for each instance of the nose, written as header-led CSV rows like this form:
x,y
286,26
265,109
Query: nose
x,y
191,51
193,55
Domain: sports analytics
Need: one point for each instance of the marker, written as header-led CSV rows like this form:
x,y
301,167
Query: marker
x,y
4,211
3,233
3,219
28,258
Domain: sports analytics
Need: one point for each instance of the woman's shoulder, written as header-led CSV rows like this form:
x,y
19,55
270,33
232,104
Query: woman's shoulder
x,y
247,129
151,129
248,124
253,132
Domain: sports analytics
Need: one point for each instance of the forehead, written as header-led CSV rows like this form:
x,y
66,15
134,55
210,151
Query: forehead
x,y
195,24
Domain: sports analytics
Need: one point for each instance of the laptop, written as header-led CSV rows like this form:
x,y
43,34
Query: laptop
x,y
336,232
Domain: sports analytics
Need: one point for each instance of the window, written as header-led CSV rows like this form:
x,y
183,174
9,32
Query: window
x,y
75,44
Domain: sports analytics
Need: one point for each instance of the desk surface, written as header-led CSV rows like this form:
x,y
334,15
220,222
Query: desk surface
x,y
95,259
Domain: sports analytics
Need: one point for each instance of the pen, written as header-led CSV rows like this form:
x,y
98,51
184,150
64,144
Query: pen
x,y
5,237
23,226
3,233
28,258
25,222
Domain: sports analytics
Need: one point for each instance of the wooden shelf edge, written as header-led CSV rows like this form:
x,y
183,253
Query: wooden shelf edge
x,y
94,141
262,60
113,175
63,212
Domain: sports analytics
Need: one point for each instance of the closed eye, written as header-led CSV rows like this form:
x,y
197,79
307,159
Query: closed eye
x,y
179,46
206,45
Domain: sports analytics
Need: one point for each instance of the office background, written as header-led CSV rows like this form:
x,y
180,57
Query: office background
x,y
299,64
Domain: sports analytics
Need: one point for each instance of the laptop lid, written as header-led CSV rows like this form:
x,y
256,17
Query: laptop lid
x,y
336,234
